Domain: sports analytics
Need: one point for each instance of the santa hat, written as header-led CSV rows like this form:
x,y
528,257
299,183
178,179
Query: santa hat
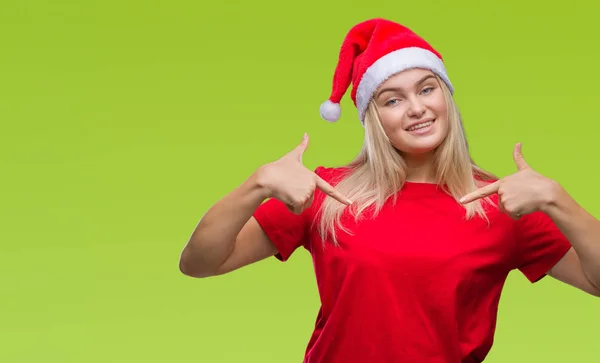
x,y
372,52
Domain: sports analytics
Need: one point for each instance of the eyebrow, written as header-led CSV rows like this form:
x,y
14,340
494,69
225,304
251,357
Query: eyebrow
x,y
396,89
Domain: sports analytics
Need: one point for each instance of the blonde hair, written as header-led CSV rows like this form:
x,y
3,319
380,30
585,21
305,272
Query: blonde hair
x,y
379,172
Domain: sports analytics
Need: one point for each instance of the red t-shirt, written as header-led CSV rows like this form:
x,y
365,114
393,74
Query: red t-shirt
x,y
418,283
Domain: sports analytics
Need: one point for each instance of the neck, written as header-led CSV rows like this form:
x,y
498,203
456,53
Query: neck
x,y
420,168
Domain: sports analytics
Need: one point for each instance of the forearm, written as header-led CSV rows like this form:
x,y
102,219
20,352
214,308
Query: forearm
x,y
213,239
580,228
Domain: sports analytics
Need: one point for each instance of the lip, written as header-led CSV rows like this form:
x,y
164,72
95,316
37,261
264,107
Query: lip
x,y
419,122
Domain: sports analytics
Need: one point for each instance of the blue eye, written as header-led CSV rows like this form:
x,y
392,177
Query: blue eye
x,y
389,103
425,91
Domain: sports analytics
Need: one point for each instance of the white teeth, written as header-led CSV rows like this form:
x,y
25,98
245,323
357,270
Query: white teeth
x,y
420,126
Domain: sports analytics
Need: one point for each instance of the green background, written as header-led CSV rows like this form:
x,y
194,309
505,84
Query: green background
x,y
123,122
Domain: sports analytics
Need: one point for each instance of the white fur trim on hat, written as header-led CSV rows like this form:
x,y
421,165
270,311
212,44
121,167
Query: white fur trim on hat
x,y
391,64
330,111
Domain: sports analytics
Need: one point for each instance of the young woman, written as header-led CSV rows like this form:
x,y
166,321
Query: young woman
x,y
411,242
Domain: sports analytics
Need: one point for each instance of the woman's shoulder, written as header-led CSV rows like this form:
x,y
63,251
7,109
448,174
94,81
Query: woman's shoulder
x,y
483,177
332,174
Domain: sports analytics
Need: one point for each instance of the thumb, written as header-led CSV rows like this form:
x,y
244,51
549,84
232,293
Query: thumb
x,y
518,157
299,150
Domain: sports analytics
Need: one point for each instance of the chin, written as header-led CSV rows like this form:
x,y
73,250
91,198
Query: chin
x,y
419,147
416,151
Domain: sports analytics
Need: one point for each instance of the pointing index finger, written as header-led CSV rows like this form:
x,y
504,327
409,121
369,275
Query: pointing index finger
x,y
331,191
480,193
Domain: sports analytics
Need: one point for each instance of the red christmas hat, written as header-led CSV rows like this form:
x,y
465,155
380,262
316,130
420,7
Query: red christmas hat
x,y
372,52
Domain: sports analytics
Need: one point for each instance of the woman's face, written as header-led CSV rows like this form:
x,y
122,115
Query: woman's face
x,y
413,111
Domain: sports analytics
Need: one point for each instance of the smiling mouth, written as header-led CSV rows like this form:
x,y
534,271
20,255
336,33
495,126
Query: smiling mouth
x,y
420,126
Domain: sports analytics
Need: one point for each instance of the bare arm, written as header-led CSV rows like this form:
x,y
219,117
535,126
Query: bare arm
x,y
228,237
581,266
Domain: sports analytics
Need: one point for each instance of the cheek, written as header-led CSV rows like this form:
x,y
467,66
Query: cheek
x,y
391,121
440,107
441,111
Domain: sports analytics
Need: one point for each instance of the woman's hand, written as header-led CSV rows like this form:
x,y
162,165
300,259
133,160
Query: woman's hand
x,y
289,181
521,193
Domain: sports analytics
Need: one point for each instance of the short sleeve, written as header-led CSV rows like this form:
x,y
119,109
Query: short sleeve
x,y
286,230
540,245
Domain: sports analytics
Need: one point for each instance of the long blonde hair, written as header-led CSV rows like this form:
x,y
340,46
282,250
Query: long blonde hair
x,y
379,172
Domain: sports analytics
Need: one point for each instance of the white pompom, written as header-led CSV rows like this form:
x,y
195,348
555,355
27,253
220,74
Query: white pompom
x,y
330,111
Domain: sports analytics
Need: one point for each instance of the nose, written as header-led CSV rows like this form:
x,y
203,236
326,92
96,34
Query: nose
x,y
416,109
